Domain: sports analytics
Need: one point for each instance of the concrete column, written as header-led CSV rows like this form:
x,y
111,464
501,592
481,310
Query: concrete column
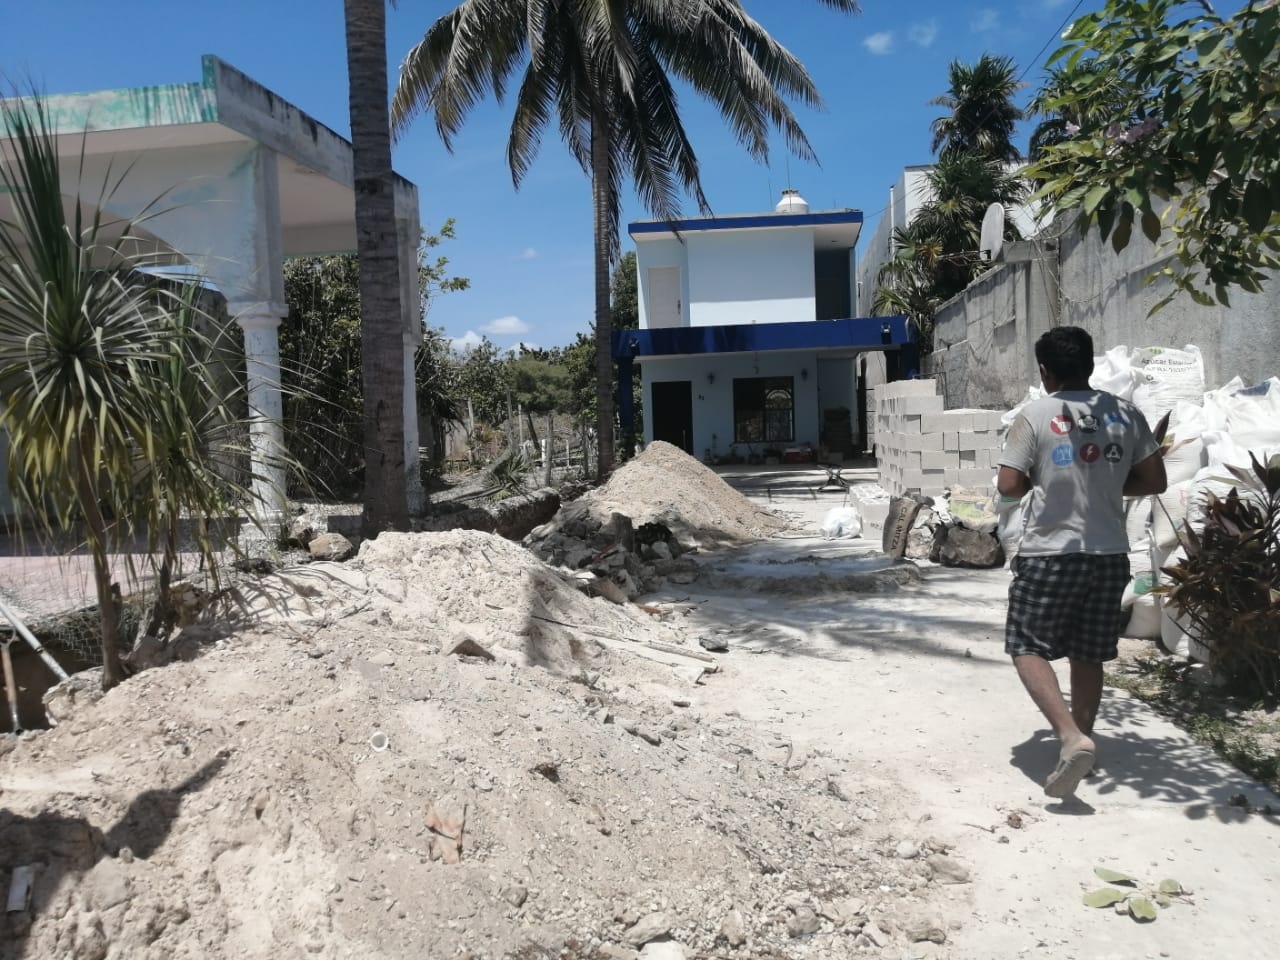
x,y
413,472
260,322
408,233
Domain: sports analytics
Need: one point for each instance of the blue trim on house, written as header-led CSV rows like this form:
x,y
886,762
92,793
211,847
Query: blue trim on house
x,y
749,222
870,333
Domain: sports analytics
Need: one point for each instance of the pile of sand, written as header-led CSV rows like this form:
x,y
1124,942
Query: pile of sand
x,y
665,485
297,790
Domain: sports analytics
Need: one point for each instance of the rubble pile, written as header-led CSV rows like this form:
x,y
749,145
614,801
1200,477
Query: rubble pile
x,y
628,535
370,761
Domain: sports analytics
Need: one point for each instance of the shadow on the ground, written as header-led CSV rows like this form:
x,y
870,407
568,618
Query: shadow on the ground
x,y
1155,767
61,846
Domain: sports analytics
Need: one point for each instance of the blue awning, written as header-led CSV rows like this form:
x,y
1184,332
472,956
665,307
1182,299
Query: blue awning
x,y
851,333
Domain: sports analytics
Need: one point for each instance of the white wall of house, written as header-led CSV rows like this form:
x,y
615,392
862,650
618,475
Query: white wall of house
x,y
732,276
905,197
713,401
659,254
751,276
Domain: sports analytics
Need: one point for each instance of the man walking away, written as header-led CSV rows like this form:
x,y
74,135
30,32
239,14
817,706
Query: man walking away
x,y
1078,452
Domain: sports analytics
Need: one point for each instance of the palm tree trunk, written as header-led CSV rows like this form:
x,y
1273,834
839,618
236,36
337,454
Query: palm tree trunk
x,y
96,528
600,148
386,504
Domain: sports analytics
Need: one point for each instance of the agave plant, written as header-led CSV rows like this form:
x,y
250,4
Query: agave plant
x,y
102,390
1228,586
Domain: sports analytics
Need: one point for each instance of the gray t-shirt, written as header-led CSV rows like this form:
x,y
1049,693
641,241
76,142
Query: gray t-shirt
x,y
1077,446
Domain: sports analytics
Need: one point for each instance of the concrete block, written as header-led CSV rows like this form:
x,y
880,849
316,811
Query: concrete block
x,y
968,440
950,440
969,458
929,441
933,423
909,423
939,460
919,405
958,420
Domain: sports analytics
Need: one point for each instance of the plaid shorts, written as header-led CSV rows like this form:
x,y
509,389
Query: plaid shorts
x,y
1066,606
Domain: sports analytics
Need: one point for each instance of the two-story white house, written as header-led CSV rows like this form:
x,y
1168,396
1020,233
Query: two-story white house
x,y
748,334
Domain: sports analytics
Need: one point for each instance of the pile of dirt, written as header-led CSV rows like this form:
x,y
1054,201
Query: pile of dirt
x,y
667,486
327,781
671,506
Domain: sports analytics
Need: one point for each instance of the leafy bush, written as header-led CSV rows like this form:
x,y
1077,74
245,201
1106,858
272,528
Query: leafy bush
x,y
1229,585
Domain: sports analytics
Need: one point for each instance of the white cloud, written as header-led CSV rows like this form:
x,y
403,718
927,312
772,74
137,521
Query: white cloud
x,y
528,253
466,342
505,327
985,21
923,34
879,43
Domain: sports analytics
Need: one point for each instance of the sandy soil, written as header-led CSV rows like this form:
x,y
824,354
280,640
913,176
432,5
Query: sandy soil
x,y
859,777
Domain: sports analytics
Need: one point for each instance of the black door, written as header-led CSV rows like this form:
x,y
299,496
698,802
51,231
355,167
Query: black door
x,y
859,442
672,405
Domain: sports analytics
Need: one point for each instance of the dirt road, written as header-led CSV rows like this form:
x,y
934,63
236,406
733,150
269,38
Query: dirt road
x,y
912,685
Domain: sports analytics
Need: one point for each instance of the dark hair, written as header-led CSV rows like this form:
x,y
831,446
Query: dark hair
x,y
1066,352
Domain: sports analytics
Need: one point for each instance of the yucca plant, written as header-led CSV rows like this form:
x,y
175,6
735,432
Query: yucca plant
x,y
98,367
1228,586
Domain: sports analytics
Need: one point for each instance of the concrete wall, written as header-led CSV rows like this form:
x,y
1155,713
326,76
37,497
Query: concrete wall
x,y
750,276
713,402
984,337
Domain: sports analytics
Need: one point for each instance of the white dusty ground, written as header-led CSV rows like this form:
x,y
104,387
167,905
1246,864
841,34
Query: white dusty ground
x,y
912,685
793,805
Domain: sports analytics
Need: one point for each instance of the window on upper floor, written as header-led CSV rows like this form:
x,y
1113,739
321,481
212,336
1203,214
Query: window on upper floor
x,y
764,410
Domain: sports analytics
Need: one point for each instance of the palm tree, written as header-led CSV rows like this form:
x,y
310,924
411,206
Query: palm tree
x,y
386,503
604,70
104,394
983,114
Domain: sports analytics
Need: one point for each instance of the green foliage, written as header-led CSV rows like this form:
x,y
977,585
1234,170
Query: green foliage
x,y
1229,584
1173,130
320,361
115,401
982,114
1138,901
484,379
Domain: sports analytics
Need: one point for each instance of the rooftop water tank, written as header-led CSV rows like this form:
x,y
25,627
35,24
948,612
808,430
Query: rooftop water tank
x,y
792,202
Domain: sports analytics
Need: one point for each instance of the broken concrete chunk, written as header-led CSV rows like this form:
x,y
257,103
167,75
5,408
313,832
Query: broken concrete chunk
x,y
446,819
733,929
648,928
515,895
946,870
803,922
466,647
663,950
331,546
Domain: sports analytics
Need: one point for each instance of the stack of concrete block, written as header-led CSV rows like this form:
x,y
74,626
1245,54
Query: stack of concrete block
x,y
923,449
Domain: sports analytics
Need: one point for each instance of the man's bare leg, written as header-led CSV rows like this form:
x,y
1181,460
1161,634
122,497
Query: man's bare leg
x,y
1086,694
1076,757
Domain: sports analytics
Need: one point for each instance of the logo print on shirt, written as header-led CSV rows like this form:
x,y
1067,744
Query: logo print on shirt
x,y
1114,423
1090,452
1088,423
1061,425
1063,455
1113,452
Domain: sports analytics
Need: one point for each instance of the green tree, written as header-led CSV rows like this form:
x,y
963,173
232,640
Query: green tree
x,y
605,72
111,395
484,380
1062,117
1189,142
982,114
936,255
321,360
386,503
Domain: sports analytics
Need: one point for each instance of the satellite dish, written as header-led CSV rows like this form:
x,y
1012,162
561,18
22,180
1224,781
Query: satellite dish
x,y
991,238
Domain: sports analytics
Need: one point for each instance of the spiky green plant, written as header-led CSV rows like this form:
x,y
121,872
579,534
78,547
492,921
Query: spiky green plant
x,y
103,388
1229,584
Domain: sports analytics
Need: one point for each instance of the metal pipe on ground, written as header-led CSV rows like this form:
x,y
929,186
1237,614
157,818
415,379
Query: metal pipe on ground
x,y
21,629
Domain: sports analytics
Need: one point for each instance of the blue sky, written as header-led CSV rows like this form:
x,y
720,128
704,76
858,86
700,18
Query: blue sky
x,y
528,253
